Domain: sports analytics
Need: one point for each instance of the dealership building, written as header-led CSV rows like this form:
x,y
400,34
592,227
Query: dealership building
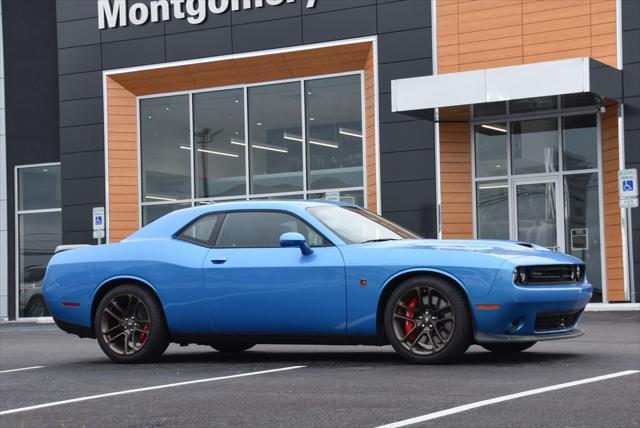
x,y
459,119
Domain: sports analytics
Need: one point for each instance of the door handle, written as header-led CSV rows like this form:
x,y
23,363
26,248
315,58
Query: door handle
x,y
219,260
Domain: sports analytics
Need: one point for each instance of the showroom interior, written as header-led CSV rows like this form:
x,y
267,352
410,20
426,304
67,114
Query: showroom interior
x,y
456,119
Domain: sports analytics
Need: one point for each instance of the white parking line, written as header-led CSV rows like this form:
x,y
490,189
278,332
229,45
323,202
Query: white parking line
x,y
149,388
21,369
464,408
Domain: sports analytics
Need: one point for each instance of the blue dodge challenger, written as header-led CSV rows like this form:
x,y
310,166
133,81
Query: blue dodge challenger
x,y
232,275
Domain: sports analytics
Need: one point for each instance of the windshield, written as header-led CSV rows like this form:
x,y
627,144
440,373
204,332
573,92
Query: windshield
x,y
355,225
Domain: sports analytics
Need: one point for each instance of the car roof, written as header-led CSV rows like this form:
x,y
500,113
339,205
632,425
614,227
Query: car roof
x,y
169,224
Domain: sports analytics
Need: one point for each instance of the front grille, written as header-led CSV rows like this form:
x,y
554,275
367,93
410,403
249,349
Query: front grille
x,y
556,321
553,274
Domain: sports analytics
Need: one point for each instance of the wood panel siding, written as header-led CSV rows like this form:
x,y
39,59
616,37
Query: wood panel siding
x,y
124,88
477,34
612,218
455,174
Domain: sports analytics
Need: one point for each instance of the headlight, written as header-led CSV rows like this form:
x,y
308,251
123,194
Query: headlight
x,y
519,276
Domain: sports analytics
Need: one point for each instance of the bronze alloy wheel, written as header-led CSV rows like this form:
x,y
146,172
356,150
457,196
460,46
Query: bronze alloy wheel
x,y
423,320
130,326
427,320
125,324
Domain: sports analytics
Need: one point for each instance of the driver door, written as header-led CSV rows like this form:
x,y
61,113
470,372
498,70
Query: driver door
x,y
252,285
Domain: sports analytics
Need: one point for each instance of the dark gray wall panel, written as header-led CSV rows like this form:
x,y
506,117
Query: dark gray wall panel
x,y
408,195
407,166
632,80
631,46
83,191
81,112
78,33
197,44
401,70
632,146
632,113
404,45
630,14
386,115
133,52
343,24
183,26
402,136
267,35
81,85
332,5
82,165
69,10
81,138
403,15
266,13
77,218
422,222
84,237
79,59
150,29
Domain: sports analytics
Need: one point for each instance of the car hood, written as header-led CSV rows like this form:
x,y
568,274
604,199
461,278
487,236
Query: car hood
x,y
508,250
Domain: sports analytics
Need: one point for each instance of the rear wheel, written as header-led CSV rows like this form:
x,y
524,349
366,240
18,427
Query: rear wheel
x,y
232,347
427,320
507,348
130,326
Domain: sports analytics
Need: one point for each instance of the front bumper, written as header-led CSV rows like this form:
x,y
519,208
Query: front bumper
x,y
509,312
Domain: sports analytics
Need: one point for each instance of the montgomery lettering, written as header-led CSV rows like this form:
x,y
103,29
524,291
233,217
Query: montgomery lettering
x,y
119,13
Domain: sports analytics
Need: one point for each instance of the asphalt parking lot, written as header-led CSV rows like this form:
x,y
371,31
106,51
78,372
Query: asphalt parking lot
x,y
321,385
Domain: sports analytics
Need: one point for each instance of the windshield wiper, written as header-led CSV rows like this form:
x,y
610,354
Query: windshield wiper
x,y
379,240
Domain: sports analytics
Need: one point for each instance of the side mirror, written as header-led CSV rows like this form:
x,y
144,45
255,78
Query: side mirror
x,y
295,239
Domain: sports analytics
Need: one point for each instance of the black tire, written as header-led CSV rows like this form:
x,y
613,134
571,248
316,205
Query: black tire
x,y
36,307
232,347
453,325
507,348
150,333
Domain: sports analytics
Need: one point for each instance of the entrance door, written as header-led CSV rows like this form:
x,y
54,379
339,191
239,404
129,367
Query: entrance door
x,y
538,209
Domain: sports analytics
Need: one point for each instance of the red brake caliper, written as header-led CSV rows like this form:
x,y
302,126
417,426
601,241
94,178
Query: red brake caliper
x,y
408,325
143,335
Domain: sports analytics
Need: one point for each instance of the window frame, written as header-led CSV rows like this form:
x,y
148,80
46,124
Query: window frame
x,y
216,233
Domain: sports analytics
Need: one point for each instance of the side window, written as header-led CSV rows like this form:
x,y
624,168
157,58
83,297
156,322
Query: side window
x,y
200,231
261,229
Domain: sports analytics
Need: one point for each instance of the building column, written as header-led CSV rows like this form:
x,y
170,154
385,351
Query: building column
x,y
4,265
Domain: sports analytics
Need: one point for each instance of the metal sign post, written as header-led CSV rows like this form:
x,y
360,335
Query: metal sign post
x,y
98,224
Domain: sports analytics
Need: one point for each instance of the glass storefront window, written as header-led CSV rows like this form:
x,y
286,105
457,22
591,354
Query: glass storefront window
x,y
275,135
39,188
534,146
492,199
578,100
491,150
528,105
220,143
165,148
490,109
353,197
583,225
334,132
580,142
153,212
39,230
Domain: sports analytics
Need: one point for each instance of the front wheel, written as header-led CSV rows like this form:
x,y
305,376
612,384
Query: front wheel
x,y
507,348
129,325
427,320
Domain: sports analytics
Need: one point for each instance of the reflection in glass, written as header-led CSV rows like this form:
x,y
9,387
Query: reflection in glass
x,y
527,105
165,148
490,109
492,199
583,225
581,99
153,212
350,196
534,146
491,150
275,133
38,236
220,143
580,142
334,132
39,187
536,211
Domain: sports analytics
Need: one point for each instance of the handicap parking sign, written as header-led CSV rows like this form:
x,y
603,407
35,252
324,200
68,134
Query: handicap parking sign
x,y
628,183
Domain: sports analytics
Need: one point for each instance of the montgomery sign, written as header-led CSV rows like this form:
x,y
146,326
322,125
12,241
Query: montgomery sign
x,y
118,13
